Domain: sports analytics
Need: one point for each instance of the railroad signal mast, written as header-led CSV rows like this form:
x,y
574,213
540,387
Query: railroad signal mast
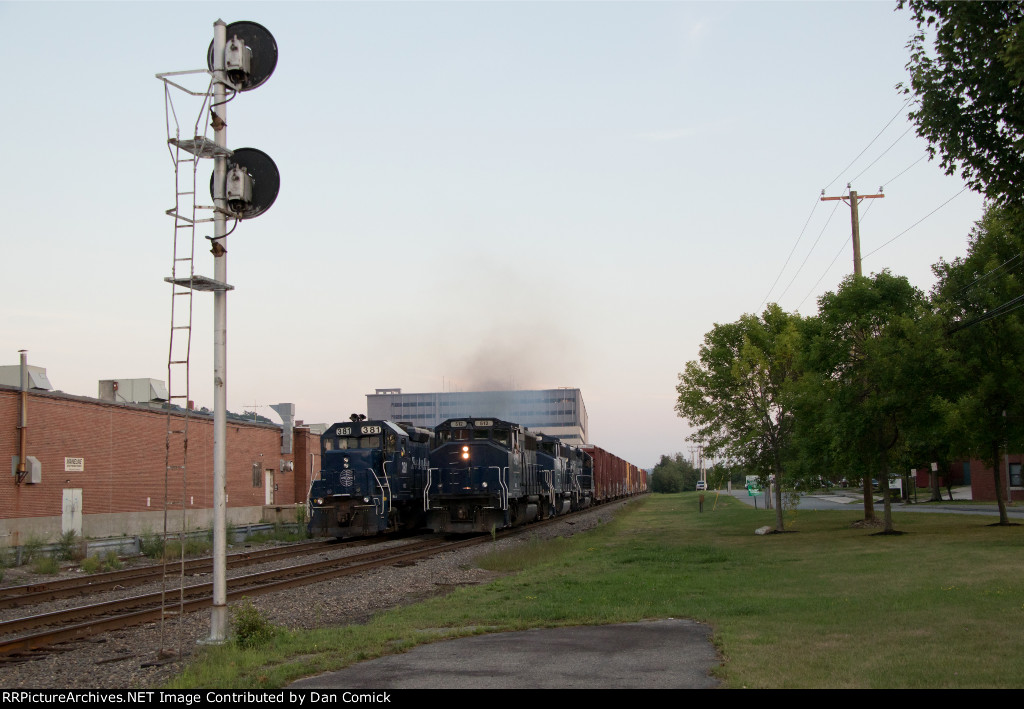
x,y
245,183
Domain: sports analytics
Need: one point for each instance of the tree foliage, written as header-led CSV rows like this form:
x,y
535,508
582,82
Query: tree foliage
x,y
673,474
871,363
979,296
734,395
970,90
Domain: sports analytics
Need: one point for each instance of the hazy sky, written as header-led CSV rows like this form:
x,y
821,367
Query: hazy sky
x,y
537,193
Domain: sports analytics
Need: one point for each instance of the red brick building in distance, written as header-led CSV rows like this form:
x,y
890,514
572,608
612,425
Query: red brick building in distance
x,y
979,476
102,469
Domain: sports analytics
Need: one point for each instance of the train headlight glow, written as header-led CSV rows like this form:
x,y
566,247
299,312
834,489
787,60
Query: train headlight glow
x,y
319,500
465,452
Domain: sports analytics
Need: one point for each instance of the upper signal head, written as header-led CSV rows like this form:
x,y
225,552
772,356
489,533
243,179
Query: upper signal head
x,y
251,60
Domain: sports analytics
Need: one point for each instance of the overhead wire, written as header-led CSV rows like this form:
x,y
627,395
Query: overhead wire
x,y
882,154
791,252
810,251
982,277
816,201
874,251
832,263
905,104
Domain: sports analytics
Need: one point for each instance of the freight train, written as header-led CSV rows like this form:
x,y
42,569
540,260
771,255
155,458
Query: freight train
x,y
467,475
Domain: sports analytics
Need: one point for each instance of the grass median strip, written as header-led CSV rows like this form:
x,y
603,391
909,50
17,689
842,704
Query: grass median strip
x,y
827,606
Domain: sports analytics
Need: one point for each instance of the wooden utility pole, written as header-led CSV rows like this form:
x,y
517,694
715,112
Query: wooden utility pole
x,y
854,200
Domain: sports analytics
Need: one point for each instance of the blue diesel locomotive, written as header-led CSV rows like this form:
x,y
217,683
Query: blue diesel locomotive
x,y
484,475
371,480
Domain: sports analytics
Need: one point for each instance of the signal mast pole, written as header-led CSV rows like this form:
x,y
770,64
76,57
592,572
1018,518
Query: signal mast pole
x,y
218,616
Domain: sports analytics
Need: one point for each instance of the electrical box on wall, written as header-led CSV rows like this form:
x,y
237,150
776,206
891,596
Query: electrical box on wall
x,y
33,469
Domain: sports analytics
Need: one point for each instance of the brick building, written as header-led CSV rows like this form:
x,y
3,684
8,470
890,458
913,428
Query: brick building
x,y
979,476
101,469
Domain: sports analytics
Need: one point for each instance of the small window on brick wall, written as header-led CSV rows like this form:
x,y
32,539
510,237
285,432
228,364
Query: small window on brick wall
x,y
257,475
1015,476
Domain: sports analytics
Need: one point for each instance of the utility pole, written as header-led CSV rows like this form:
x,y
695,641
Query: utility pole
x,y
854,200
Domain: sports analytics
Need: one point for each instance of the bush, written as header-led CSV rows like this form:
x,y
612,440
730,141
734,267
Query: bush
x,y
90,564
252,628
45,565
151,545
94,564
69,547
32,549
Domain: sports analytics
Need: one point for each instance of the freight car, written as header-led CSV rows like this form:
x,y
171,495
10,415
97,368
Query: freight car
x,y
371,479
614,477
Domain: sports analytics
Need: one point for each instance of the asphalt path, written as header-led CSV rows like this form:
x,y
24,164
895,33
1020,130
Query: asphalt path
x,y
671,653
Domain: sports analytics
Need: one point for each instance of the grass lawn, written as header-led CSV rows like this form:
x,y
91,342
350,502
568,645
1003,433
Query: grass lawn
x,y
826,606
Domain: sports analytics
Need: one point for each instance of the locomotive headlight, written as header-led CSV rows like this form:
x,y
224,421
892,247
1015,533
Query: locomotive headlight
x,y
465,452
484,484
319,500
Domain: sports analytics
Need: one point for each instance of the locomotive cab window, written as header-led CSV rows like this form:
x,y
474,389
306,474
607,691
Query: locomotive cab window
x,y
481,434
501,436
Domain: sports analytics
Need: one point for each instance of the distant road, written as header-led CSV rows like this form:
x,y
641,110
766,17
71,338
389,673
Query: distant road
x,y
847,498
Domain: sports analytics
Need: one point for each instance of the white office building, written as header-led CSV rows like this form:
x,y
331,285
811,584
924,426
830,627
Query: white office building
x,y
556,412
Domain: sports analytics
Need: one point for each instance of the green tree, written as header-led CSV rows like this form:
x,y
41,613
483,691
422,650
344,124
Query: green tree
x,y
978,296
870,361
968,90
673,474
735,397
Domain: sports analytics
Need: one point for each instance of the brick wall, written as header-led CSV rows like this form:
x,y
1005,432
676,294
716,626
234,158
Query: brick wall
x,y
983,484
124,452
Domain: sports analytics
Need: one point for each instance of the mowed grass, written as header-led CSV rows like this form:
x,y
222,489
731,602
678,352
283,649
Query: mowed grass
x,y
826,606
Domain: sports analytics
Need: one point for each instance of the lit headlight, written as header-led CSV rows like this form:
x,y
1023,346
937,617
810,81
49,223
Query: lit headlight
x,y
319,500
484,484
465,452
366,499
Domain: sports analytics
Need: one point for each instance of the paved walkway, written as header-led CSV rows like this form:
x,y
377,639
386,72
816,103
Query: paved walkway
x,y
661,654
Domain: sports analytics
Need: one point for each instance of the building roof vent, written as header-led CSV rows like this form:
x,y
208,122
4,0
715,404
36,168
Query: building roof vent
x,y
11,376
133,391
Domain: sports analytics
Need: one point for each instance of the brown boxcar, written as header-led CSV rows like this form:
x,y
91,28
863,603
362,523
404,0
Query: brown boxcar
x,y
614,477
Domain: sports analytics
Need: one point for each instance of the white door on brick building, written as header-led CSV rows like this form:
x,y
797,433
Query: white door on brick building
x,y
71,511
268,486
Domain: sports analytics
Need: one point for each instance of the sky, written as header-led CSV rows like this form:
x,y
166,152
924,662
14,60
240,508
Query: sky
x,y
474,195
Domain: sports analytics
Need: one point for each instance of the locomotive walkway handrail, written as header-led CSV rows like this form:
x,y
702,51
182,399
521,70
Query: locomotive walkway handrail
x,y
503,485
385,486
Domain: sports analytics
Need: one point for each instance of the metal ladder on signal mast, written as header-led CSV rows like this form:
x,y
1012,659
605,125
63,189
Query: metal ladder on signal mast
x,y
185,156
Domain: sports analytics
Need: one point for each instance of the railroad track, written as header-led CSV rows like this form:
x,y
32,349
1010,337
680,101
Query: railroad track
x,y
35,593
84,621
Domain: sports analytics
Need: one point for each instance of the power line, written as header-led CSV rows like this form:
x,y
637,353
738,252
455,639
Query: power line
x,y
907,102
915,223
1007,307
882,154
811,250
834,258
893,179
791,252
